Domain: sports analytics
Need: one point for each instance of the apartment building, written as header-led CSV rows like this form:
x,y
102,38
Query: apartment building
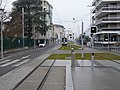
x,y
106,16
46,9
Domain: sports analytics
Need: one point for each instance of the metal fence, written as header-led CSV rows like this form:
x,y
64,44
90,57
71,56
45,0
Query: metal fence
x,y
112,48
10,43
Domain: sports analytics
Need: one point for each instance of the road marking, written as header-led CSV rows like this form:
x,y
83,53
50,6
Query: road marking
x,y
5,58
14,61
25,57
18,64
4,61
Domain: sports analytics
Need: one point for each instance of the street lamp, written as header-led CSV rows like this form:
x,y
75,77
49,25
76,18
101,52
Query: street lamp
x,y
82,27
34,37
90,6
1,13
23,26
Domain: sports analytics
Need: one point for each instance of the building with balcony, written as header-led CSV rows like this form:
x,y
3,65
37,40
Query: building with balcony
x,y
106,16
46,17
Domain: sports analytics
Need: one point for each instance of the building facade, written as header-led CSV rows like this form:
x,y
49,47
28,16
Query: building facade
x,y
46,9
106,16
59,32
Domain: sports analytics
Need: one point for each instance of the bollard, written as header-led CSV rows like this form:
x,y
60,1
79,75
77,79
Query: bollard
x,y
72,58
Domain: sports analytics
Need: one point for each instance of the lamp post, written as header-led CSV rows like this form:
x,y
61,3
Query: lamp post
x,y
23,26
82,41
82,28
2,12
90,6
34,37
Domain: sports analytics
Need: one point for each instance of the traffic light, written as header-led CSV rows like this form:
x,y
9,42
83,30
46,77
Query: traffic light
x,y
93,30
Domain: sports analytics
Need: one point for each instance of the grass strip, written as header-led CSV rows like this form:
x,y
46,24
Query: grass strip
x,y
87,56
68,47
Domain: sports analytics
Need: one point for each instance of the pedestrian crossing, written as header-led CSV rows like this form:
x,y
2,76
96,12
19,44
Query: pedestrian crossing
x,y
18,64
14,63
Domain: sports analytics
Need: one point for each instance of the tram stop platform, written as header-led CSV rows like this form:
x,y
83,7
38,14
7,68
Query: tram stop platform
x,y
84,77
104,76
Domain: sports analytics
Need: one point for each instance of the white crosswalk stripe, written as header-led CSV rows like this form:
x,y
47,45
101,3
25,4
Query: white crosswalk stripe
x,y
9,63
18,64
4,61
14,63
25,57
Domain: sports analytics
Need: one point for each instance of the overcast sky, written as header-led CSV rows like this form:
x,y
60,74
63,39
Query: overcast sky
x,y
65,10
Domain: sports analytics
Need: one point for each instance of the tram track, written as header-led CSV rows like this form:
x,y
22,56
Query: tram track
x,y
31,77
17,85
37,76
46,76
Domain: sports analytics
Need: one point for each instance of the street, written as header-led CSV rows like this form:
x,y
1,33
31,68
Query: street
x,y
17,59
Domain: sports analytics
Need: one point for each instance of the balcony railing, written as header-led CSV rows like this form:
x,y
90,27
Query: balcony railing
x,y
111,19
108,20
110,28
111,8
108,9
98,2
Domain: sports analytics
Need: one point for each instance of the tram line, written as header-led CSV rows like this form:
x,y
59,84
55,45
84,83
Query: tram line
x,y
41,84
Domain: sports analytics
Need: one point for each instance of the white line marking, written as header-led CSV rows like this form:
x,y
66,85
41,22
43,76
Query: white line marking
x,y
5,58
14,61
25,57
4,61
69,80
18,64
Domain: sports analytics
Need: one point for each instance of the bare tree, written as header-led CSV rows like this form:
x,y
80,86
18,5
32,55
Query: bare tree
x,y
0,2
3,4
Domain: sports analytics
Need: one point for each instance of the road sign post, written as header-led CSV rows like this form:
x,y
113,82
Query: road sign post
x,y
1,17
70,40
72,58
93,30
82,56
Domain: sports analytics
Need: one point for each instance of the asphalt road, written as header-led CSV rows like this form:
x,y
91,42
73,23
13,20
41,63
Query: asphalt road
x,y
16,59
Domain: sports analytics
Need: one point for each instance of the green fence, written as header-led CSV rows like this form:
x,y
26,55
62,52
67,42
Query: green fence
x,y
10,43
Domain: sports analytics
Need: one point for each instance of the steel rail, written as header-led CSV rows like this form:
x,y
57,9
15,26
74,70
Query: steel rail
x,y
45,77
47,74
18,84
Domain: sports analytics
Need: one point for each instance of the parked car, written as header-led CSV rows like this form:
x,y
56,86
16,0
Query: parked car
x,y
42,43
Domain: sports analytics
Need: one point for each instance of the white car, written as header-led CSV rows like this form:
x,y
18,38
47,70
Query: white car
x,y
42,45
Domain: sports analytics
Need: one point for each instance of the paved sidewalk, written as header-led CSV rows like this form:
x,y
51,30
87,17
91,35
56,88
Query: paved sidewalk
x,y
84,77
9,80
104,76
101,78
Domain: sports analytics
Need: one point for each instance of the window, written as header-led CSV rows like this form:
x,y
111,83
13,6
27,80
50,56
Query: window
x,y
113,4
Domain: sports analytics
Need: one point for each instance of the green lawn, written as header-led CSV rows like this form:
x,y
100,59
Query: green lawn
x,y
69,48
87,56
71,43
